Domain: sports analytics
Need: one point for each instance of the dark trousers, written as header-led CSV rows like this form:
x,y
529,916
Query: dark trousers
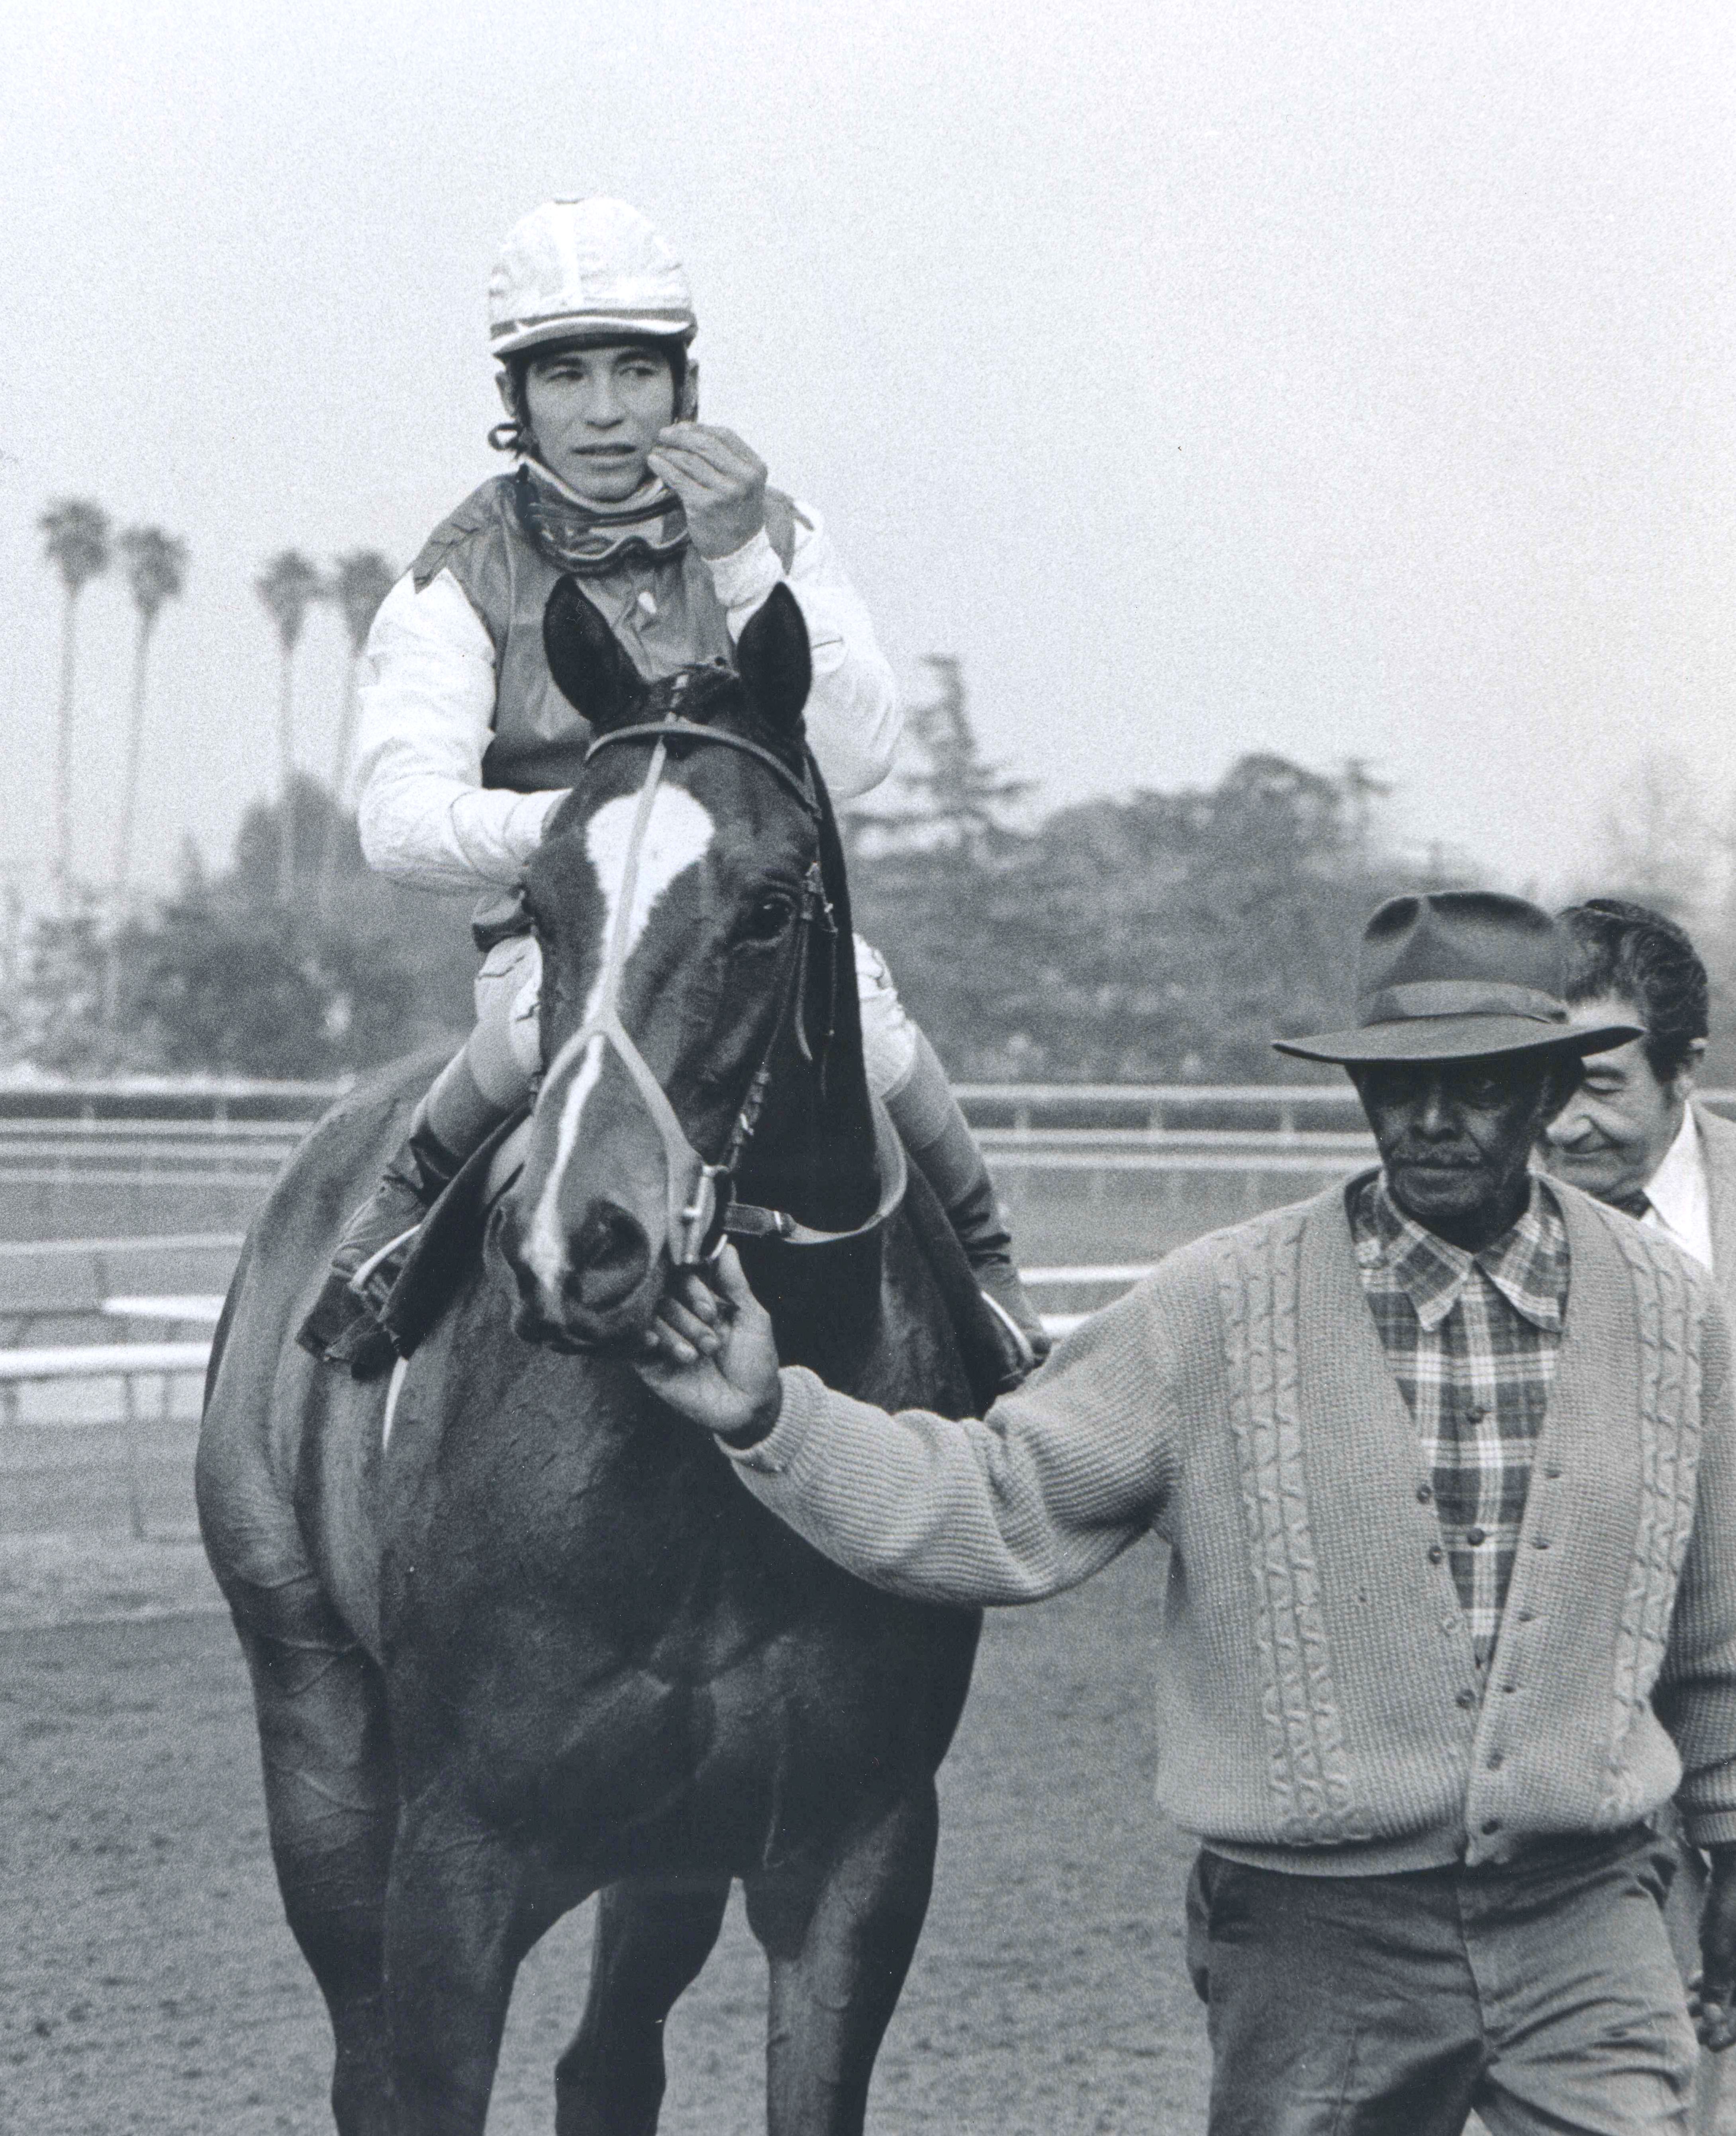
x,y
1542,1995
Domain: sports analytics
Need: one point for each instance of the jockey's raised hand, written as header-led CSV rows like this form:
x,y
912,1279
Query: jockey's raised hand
x,y
720,481
710,1354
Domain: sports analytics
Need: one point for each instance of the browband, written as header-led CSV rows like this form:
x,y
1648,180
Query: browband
x,y
692,731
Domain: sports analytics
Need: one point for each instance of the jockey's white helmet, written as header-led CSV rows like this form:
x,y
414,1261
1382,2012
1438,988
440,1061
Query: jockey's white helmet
x,y
586,268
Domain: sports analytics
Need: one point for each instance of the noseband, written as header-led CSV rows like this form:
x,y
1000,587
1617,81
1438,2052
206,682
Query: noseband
x,y
701,1209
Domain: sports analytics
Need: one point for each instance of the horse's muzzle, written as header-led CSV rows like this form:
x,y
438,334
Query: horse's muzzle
x,y
608,1286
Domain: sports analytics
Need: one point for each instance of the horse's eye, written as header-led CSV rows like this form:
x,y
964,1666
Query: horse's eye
x,y
768,918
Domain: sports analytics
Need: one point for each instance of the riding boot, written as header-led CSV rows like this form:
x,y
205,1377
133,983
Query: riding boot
x,y
939,1139
344,1327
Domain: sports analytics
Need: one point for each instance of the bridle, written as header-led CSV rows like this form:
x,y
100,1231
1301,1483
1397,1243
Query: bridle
x,y
701,1208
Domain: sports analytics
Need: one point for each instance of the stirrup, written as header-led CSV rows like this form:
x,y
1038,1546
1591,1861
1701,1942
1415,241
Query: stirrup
x,y
1022,1347
372,1284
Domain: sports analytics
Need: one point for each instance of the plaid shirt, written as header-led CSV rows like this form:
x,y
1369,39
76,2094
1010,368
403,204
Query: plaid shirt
x,y
1472,1339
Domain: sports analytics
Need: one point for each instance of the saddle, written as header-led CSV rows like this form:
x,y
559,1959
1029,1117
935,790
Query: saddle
x,y
451,1235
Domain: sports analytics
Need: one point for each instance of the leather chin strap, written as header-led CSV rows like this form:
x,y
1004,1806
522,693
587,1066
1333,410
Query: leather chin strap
x,y
701,1211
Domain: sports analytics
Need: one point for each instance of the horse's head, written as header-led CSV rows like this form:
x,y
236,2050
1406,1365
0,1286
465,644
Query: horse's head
x,y
673,895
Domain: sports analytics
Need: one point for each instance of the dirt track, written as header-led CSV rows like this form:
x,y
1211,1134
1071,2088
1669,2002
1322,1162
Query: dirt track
x,y
148,1983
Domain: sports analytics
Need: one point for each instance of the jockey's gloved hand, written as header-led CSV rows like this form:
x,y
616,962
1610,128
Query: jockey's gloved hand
x,y
720,480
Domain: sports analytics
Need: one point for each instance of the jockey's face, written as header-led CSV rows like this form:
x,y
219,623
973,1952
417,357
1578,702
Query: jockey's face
x,y
596,412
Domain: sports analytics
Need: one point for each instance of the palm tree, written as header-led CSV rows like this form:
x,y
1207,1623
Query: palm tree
x,y
287,585
76,537
360,581
156,573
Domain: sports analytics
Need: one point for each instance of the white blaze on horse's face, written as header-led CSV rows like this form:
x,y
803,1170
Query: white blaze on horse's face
x,y
678,834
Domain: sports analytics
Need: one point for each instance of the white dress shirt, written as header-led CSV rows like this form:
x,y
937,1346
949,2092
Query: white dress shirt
x,y
1680,1198
427,711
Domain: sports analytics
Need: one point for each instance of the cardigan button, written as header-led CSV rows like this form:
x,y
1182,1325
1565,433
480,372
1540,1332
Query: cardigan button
x,y
1435,1553
1465,1699
1491,1826
1475,1536
1449,1624
1496,1761
1541,1542
1424,1495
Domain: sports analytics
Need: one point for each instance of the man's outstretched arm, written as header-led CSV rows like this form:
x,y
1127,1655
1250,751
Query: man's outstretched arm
x,y
1053,1482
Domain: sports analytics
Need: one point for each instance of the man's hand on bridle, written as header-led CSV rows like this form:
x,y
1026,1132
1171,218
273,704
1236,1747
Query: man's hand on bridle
x,y
710,1353
1712,2001
720,481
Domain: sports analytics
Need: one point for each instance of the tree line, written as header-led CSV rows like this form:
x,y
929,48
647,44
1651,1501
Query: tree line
x,y
1161,936
1164,937
81,543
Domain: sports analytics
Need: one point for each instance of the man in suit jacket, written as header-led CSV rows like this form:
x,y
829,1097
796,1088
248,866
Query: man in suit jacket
x,y
1634,1134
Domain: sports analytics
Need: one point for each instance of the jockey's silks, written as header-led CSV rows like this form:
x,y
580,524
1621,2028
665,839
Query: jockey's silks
x,y
658,602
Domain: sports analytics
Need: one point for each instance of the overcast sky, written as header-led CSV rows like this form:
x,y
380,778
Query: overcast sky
x,y
1338,380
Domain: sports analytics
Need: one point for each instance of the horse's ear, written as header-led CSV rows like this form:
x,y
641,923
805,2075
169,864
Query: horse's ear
x,y
588,661
776,667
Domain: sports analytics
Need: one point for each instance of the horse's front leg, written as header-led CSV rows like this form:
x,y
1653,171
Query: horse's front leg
x,y
651,1939
463,1905
840,1944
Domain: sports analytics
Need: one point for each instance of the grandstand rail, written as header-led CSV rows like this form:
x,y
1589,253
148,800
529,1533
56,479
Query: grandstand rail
x,y
127,1362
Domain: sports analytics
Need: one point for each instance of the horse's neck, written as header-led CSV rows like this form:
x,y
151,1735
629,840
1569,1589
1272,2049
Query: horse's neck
x,y
814,1151
867,1316
826,1303
814,1156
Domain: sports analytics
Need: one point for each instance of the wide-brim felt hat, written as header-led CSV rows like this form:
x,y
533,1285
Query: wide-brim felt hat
x,y
1458,975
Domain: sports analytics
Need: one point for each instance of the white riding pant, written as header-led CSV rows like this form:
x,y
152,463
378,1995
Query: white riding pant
x,y
505,1048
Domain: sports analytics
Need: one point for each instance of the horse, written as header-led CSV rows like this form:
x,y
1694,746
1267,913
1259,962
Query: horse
x,y
515,1635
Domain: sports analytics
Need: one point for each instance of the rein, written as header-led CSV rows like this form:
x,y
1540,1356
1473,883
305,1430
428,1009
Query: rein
x,y
702,1211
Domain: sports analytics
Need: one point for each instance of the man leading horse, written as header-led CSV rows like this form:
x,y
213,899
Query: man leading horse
x,y
1446,1464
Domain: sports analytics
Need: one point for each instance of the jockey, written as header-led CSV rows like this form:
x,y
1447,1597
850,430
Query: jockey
x,y
668,526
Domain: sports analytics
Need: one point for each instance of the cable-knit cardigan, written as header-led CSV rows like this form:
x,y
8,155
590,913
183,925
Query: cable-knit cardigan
x,y
1318,1705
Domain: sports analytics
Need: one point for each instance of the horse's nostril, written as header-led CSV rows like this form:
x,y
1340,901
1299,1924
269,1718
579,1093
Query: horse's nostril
x,y
611,1255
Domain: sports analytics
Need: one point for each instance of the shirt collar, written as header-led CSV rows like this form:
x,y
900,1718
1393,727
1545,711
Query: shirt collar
x,y
1527,1265
1677,1189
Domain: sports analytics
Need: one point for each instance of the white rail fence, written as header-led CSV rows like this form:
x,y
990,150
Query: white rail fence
x,y
240,1135
132,1362
1139,1128
127,1362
